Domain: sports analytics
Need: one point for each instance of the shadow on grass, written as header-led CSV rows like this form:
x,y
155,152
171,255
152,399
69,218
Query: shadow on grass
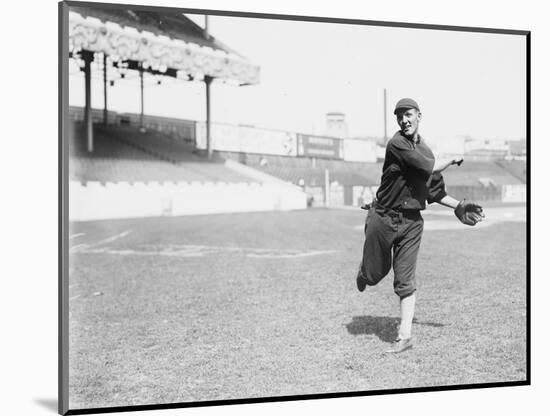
x,y
384,327
50,404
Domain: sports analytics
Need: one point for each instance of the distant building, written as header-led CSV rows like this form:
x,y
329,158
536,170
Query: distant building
x,y
448,146
486,145
493,148
336,125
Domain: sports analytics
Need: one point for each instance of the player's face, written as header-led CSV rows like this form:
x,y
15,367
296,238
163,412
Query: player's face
x,y
408,120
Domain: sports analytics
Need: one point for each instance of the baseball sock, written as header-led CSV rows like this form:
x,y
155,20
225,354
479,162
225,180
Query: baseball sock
x,y
407,314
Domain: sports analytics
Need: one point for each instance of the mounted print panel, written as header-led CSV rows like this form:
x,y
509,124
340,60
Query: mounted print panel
x,y
263,207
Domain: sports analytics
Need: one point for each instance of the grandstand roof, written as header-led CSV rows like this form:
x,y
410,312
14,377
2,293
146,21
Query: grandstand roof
x,y
176,26
159,40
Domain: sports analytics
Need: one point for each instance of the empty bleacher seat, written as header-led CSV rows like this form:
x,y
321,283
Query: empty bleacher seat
x,y
123,154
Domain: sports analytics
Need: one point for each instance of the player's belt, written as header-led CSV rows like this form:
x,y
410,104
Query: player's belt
x,y
395,213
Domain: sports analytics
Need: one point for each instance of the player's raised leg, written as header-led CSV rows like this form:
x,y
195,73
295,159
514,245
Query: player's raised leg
x,y
377,255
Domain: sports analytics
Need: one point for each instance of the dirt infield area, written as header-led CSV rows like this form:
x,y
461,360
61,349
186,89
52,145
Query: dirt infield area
x,y
187,309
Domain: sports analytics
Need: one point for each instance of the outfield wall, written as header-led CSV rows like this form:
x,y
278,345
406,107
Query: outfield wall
x,y
504,193
96,201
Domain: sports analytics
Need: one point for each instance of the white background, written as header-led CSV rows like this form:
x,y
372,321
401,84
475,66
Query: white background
x,y
29,205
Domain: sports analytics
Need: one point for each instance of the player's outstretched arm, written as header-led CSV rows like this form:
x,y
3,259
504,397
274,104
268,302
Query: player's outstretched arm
x,y
448,201
441,164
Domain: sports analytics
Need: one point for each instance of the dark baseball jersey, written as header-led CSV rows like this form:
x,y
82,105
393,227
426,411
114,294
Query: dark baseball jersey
x,y
407,180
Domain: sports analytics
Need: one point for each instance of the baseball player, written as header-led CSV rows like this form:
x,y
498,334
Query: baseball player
x,y
411,176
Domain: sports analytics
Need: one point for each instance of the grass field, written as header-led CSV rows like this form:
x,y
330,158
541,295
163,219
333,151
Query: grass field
x,y
264,304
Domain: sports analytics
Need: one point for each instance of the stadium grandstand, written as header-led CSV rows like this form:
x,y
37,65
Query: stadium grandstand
x,y
480,180
518,168
150,42
123,153
311,170
227,167
111,152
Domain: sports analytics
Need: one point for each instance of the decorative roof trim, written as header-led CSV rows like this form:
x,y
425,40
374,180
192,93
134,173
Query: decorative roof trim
x,y
158,52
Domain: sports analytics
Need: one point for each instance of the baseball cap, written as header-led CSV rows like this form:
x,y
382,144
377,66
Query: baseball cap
x,y
406,103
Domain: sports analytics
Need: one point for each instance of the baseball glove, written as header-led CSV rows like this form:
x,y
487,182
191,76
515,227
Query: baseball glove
x,y
469,213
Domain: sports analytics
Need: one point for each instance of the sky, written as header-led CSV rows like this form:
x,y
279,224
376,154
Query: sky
x,y
465,83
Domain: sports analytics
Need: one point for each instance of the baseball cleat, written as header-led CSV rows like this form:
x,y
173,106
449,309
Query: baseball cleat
x,y
400,345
